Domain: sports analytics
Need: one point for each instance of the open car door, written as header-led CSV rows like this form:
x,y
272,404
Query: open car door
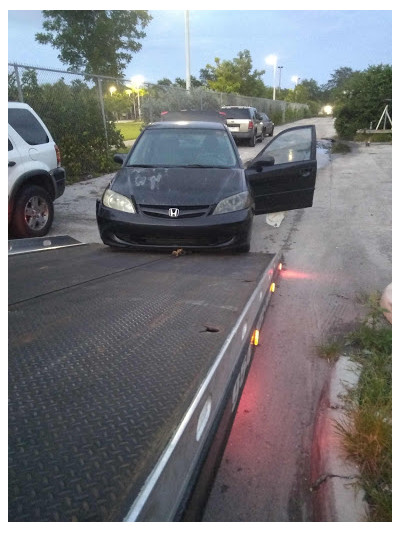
x,y
282,176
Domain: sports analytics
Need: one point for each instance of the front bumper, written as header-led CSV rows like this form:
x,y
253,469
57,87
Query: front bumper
x,y
125,230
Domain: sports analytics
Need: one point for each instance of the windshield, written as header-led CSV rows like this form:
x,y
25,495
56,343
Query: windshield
x,y
183,148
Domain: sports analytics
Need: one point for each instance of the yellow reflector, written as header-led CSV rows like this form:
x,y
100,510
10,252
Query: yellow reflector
x,y
272,288
255,337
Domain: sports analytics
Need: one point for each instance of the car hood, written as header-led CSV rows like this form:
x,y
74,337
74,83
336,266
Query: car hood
x,y
178,185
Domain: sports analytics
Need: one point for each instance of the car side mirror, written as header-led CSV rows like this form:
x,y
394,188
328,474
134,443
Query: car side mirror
x,y
120,158
266,161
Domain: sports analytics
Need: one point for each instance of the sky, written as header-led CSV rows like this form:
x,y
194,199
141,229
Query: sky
x,y
310,43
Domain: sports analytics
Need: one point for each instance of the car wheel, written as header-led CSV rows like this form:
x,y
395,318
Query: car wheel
x,y
33,212
252,140
264,132
272,132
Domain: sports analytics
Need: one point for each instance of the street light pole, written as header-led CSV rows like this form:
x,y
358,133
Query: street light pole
x,y
273,96
187,40
136,83
280,73
271,60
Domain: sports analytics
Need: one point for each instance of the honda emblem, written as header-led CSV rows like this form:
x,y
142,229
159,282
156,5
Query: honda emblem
x,y
173,212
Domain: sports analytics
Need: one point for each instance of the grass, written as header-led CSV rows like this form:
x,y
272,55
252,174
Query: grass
x,y
330,351
367,434
373,137
129,130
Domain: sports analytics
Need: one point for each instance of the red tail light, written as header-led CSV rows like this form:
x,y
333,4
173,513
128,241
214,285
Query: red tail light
x,y
58,154
251,124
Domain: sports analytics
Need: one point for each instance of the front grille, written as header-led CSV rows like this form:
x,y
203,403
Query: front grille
x,y
162,211
175,240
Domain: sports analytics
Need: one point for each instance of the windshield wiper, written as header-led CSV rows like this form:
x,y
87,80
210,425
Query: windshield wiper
x,y
205,166
197,166
143,166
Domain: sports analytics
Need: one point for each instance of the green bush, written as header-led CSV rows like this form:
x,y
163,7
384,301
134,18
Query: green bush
x,y
340,148
362,100
73,115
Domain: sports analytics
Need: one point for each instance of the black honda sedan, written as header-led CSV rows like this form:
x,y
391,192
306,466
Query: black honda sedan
x,y
183,185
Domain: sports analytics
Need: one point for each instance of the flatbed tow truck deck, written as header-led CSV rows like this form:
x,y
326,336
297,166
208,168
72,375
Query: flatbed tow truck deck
x,y
125,371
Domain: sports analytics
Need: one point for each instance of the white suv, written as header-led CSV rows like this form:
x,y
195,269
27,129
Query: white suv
x,y
35,175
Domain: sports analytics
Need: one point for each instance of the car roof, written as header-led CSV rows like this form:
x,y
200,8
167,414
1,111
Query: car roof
x,y
197,115
19,104
185,124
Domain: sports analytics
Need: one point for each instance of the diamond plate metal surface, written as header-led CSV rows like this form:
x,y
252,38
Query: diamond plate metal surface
x,y
103,364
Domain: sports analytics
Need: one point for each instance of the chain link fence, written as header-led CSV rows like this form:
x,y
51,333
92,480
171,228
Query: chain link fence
x,y
81,111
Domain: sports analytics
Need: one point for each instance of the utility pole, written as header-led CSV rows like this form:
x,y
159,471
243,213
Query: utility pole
x,y
187,40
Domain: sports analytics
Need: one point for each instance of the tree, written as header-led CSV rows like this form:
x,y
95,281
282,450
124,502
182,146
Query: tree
x,y
194,82
362,100
118,102
165,82
29,85
336,82
235,76
95,42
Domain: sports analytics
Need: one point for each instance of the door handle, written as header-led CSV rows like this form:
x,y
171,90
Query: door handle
x,y
305,173
11,163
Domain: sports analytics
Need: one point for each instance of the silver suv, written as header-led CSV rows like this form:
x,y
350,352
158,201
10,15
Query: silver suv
x,y
35,175
244,123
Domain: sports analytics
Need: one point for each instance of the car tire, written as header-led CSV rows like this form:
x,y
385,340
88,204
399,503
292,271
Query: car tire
x,y
33,212
252,140
264,132
272,132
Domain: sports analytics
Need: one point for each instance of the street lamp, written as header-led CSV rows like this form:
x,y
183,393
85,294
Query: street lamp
x,y
271,60
137,82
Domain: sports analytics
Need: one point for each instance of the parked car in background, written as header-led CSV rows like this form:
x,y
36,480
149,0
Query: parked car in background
x,y
35,175
183,186
244,123
268,125
205,115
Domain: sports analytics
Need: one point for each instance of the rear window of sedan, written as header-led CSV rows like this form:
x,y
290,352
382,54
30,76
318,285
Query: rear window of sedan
x,y
183,148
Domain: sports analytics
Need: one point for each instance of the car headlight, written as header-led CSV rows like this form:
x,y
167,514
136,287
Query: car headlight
x,y
117,201
233,203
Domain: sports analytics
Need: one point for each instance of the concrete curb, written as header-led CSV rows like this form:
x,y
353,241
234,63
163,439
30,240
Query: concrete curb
x,y
386,302
336,496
